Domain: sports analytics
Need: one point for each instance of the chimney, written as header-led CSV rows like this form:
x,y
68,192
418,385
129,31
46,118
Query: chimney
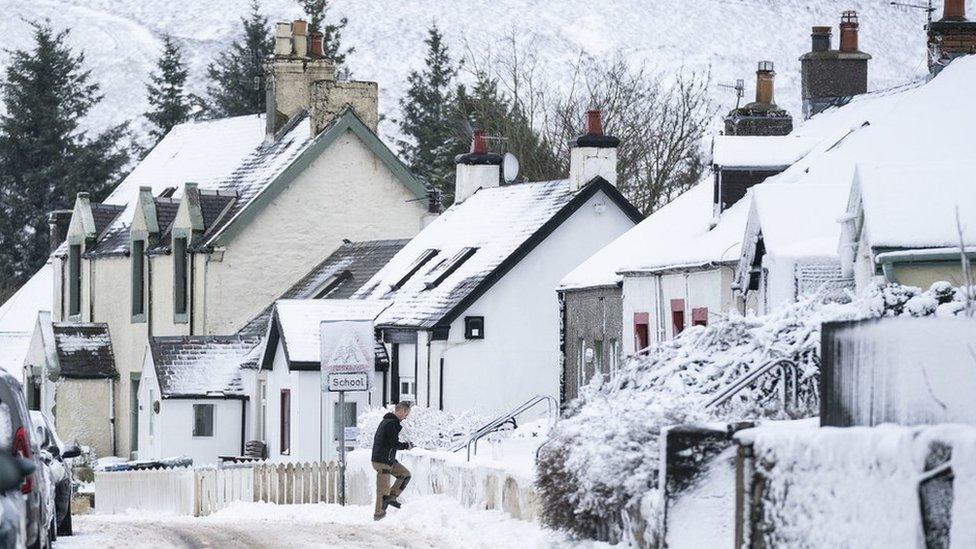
x,y
829,77
291,74
58,222
950,37
765,76
315,45
592,154
848,31
478,169
820,38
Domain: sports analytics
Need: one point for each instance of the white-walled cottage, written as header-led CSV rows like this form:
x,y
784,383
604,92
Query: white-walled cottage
x,y
474,323
224,216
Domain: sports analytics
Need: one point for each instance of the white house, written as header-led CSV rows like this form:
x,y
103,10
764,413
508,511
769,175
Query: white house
x,y
302,420
474,323
910,224
224,216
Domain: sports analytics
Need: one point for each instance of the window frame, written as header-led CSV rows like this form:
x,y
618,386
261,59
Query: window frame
x,y
699,316
138,278
450,266
677,317
213,419
74,280
181,285
642,331
418,264
284,422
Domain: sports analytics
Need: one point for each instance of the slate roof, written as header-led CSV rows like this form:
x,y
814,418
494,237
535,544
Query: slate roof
x,y
116,239
340,275
84,350
199,366
476,243
104,214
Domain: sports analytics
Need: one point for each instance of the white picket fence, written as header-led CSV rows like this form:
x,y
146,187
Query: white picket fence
x,y
202,491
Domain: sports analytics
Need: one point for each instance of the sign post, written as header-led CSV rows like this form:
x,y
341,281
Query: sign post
x,y
348,360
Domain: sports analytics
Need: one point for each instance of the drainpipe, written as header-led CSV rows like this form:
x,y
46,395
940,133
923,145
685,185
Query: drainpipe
x,y
111,416
190,290
661,331
428,372
243,423
149,299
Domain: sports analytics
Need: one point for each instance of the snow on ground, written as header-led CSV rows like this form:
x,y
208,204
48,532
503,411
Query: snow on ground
x,y
429,521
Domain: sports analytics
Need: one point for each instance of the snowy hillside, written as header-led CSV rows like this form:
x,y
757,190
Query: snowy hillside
x,y
121,37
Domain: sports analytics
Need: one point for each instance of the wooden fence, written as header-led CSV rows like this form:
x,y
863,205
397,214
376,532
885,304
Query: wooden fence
x,y
202,491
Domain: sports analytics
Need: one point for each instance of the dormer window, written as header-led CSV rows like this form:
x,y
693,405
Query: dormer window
x,y
447,269
414,267
179,279
138,280
74,280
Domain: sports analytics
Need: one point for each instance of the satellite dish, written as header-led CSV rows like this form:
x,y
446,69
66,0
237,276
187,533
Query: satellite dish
x,y
510,167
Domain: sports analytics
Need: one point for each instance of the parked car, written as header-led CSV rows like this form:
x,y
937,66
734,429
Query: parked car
x,y
35,487
13,504
60,472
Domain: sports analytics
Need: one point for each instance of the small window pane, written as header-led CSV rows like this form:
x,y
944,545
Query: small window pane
x,y
74,279
179,276
203,420
138,282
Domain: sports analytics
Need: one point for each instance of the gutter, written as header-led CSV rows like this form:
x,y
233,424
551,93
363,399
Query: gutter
x,y
680,268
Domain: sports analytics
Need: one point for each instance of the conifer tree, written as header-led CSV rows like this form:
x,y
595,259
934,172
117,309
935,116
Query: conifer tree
x,y
169,102
46,158
434,134
317,11
237,77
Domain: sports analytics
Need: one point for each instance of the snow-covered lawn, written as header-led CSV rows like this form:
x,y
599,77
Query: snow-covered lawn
x,y
427,521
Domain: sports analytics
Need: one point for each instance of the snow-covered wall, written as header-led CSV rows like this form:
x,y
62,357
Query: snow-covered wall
x,y
901,370
82,413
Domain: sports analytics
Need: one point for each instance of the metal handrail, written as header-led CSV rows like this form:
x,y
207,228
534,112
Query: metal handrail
x,y
493,425
789,389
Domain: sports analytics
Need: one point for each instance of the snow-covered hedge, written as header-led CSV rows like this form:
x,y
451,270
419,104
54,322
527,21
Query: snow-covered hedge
x,y
602,458
425,428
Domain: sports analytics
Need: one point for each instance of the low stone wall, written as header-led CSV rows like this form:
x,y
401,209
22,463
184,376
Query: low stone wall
x,y
474,485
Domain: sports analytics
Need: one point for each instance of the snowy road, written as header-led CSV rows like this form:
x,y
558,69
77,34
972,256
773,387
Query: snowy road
x,y
431,521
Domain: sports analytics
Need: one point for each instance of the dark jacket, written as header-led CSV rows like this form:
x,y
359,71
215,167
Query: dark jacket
x,y
386,441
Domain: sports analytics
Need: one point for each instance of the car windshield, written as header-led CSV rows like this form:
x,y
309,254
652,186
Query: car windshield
x,y
42,427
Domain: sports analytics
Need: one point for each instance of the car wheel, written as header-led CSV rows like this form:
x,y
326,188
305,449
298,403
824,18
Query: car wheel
x,y
65,529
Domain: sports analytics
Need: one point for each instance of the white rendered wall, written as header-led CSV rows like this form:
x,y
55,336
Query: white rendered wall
x,y
520,356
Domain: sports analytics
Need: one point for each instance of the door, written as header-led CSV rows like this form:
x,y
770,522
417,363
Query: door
x,y
134,416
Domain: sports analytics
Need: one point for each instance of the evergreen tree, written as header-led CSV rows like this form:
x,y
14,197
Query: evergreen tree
x,y
331,32
435,136
237,77
45,157
169,102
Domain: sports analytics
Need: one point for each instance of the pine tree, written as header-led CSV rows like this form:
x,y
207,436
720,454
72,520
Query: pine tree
x,y
169,102
435,136
237,77
331,32
45,156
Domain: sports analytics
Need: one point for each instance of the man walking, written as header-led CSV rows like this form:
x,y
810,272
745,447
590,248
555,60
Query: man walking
x,y
386,442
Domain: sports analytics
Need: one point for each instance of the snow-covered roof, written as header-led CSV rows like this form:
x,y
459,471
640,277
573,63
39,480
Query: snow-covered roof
x,y
199,366
13,352
456,256
914,206
19,312
760,151
299,322
799,220
84,350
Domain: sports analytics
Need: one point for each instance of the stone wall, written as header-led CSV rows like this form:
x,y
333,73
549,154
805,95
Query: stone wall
x,y
592,315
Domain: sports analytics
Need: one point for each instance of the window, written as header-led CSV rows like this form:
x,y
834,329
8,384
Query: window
x,y
263,396
138,278
179,276
699,316
614,355
677,316
448,268
337,428
331,284
152,414
474,327
580,362
598,357
285,427
416,266
203,420
641,331
408,389
74,279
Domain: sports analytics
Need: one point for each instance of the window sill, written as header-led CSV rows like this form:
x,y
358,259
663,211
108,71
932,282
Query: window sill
x,y
181,318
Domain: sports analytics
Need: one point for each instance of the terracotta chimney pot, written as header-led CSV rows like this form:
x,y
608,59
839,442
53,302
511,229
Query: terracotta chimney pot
x,y
765,74
594,122
954,10
848,31
315,43
478,143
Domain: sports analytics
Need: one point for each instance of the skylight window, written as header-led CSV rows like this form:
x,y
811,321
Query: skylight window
x,y
449,267
414,267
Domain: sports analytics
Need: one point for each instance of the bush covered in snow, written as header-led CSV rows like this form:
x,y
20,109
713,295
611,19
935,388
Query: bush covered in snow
x,y
425,427
602,458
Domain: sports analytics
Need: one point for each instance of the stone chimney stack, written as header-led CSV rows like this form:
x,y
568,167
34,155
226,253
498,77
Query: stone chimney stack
x,y
761,117
831,77
592,154
300,78
950,37
478,169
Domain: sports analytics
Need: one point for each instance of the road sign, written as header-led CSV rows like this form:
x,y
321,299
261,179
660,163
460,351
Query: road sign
x,y
348,355
350,381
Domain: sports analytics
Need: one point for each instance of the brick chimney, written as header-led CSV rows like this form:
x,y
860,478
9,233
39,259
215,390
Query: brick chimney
x,y
592,154
831,77
478,169
762,116
950,37
299,77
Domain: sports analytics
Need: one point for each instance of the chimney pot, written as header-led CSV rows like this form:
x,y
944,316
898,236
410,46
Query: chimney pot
x,y
821,38
594,122
282,47
478,143
765,74
315,44
299,27
848,31
954,10
299,30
